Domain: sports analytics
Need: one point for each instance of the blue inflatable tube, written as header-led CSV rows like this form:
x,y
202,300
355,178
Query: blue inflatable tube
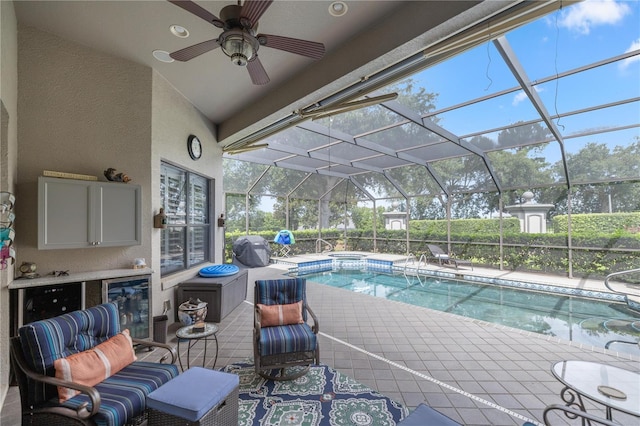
x,y
222,270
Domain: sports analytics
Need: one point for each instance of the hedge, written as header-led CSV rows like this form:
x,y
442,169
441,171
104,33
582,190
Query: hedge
x,y
598,223
467,226
594,255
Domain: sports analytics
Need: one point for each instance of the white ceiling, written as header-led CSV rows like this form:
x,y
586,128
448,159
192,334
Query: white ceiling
x,y
371,36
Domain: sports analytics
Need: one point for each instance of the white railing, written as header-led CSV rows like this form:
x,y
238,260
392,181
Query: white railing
x,y
319,243
631,291
410,258
422,261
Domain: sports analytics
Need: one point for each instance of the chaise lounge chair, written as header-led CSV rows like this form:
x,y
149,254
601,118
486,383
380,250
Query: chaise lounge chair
x,y
444,258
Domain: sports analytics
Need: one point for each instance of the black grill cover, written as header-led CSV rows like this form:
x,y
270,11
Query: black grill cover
x,y
252,251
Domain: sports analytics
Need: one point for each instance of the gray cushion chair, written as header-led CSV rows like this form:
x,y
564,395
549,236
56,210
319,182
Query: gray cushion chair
x,y
278,347
444,258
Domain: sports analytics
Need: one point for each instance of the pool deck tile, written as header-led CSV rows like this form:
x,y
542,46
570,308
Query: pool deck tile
x,y
474,372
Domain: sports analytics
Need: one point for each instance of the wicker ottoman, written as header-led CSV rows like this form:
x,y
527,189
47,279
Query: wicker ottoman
x,y
198,396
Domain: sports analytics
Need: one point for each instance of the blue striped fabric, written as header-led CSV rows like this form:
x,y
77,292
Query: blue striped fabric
x,y
124,394
47,340
286,339
281,292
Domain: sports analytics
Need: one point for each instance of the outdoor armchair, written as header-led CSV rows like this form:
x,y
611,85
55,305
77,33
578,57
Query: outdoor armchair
x,y
282,337
80,369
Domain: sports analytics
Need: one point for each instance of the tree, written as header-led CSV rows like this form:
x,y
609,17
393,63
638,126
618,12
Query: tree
x,y
427,207
235,212
362,217
598,177
303,214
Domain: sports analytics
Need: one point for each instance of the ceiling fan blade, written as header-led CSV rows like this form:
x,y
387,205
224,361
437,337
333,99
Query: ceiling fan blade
x,y
256,72
199,11
252,10
310,49
196,50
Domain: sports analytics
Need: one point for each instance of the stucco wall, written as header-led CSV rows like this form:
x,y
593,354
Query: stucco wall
x,y
173,120
80,111
89,111
8,160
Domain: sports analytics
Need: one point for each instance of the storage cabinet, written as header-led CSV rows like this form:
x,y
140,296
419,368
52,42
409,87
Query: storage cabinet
x,y
80,214
222,294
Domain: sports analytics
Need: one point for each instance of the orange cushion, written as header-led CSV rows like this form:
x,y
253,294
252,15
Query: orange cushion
x,y
92,366
271,315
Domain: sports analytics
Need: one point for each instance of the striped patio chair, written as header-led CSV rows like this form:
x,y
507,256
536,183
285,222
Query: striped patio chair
x,y
282,338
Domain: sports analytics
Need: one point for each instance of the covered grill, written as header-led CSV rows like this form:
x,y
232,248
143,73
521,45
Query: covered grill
x,y
252,251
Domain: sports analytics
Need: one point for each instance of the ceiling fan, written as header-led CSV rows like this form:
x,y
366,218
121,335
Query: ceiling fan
x,y
239,40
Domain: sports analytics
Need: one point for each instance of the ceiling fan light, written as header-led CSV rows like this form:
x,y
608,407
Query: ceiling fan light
x,y
239,59
238,48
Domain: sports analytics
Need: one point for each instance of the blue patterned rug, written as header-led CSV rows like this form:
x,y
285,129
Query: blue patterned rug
x,y
322,397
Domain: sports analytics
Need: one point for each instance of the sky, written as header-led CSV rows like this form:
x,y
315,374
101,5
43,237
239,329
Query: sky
x,y
572,37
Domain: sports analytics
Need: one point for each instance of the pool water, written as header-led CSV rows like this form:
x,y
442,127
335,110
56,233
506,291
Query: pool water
x,y
582,320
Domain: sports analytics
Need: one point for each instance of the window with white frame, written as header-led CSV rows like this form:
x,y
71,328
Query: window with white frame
x,y
186,241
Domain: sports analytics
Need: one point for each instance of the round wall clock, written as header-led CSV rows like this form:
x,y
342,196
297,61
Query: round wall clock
x,y
194,146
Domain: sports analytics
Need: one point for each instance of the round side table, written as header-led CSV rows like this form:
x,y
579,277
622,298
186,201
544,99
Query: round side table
x,y
613,387
192,337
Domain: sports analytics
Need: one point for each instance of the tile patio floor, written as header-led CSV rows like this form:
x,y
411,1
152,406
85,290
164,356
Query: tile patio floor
x,y
475,372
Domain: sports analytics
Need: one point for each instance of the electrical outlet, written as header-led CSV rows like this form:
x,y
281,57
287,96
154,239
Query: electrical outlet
x,y
166,306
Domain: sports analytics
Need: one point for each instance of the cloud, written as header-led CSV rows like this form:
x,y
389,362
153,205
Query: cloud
x,y
591,13
521,96
627,62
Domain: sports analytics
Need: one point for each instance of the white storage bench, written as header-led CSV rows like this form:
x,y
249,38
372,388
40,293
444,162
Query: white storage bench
x,y
198,396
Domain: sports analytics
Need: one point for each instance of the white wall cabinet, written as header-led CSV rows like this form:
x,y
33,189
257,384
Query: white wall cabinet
x,y
80,214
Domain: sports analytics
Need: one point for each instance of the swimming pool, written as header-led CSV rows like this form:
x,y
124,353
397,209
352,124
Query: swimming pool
x,y
578,319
